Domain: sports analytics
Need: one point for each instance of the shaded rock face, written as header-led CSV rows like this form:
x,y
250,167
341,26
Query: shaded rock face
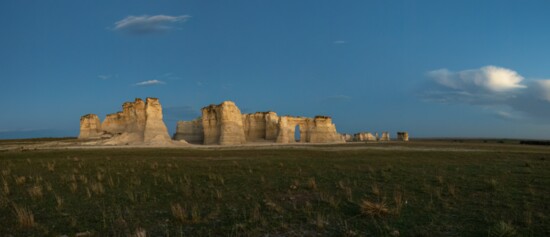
x,y
223,124
90,127
260,126
139,122
403,136
190,131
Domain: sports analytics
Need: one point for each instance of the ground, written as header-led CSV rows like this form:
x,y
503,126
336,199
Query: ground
x,y
419,188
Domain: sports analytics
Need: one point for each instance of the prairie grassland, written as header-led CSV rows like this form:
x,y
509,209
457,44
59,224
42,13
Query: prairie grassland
x,y
489,191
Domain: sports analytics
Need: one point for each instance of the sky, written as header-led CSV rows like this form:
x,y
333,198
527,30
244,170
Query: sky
x,y
432,68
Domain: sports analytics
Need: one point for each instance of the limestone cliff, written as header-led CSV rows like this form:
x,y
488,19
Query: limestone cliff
x,y
223,124
323,131
90,127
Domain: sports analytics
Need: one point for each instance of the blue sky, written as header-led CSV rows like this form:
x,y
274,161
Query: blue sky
x,y
433,68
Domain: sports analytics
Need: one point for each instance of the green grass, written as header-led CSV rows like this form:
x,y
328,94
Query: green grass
x,y
488,191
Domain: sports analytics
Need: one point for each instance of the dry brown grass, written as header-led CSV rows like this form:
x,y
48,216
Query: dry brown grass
x,y
97,188
20,180
51,166
398,199
35,192
312,183
178,212
73,186
374,209
24,216
5,187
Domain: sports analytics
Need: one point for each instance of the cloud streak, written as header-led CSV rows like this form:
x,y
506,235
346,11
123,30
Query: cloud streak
x,y
491,87
150,83
145,24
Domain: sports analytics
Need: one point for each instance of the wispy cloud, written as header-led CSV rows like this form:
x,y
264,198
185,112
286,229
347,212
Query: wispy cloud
x,y
107,77
145,24
337,98
104,77
491,87
149,83
340,42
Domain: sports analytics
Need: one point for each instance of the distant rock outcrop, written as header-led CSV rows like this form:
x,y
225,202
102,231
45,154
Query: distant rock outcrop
x,y
139,122
403,136
385,136
364,136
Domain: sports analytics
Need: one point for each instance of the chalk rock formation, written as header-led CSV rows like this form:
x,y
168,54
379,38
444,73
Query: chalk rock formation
x,y
322,130
223,124
347,137
90,127
403,136
385,136
317,130
190,131
139,122
364,136
260,126
155,129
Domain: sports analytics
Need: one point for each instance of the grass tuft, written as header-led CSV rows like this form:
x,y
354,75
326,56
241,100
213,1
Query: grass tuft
x,y
24,216
374,209
502,229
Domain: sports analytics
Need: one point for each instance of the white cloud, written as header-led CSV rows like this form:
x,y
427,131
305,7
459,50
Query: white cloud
x,y
149,83
491,87
489,78
146,24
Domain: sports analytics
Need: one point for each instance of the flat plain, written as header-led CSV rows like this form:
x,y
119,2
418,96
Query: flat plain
x,y
419,188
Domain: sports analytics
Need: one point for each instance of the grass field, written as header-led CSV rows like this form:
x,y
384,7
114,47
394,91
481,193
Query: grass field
x,y
417,189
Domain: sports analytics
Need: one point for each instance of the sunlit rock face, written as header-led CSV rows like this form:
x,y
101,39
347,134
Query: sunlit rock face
x,y
223,124
139,122
314,130
385,136
90,127
403,136
364,136
322,130
190,131
155,129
